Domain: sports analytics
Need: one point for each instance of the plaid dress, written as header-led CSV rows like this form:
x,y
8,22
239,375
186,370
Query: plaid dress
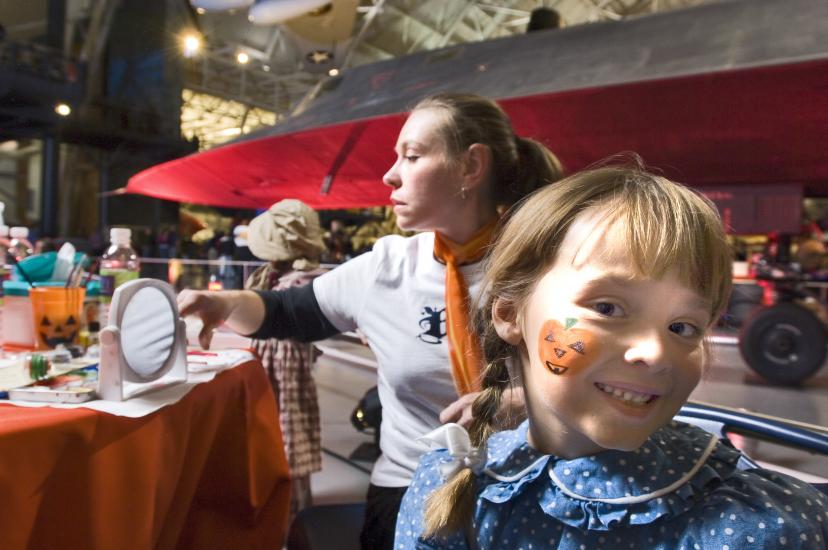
x,y
288,364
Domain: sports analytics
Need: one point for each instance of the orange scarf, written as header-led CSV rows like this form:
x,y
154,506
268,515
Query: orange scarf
x,y
464,347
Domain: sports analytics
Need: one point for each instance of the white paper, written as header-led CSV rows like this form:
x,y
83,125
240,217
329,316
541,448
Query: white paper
x,y
148,403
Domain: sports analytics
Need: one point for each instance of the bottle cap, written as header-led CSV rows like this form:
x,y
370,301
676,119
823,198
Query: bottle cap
x,y
120,235
19,232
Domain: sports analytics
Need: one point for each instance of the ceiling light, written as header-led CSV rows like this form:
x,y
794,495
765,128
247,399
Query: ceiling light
x,y
333,72
9,146
242,58
218,5
266,68
191,44
63,109
235,131
201,11
271,12
317,57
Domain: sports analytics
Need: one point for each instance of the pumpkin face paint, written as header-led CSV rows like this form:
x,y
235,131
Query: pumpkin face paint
x,y
563,347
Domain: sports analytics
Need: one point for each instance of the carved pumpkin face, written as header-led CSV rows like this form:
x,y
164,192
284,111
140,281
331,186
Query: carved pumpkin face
x,y
58,329
57,315
562,347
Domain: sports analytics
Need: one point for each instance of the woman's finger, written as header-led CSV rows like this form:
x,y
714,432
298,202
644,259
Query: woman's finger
x,y
205,336
450,413
187,303
465,418
454,412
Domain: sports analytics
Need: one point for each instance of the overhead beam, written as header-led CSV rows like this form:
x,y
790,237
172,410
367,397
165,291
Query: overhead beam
x,y
367,21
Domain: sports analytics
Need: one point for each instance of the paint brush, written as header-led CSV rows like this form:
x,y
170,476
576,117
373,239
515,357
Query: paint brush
x,y
89,272
76,273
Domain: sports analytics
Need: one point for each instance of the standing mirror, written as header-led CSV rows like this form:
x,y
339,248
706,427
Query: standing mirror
x,y
144,345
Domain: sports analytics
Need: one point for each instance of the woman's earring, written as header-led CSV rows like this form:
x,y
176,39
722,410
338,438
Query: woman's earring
x,y
463,193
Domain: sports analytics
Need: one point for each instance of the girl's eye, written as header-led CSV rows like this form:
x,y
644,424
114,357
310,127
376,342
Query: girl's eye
x,y
411,158
684,329
608,309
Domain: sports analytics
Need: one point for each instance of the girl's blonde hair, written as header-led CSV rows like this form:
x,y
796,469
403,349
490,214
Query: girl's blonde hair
x,y
519,165
667,226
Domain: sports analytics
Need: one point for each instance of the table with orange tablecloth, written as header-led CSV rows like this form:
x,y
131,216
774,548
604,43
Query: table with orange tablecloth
x,y
206,472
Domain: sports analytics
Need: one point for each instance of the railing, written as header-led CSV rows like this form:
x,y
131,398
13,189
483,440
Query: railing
x,y
40,61
818,288
202,274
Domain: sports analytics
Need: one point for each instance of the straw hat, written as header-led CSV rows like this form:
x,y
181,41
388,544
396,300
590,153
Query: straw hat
x,y
289,230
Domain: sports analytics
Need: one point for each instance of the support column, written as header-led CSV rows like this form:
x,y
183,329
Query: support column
x,y
56,24
50,174
50,160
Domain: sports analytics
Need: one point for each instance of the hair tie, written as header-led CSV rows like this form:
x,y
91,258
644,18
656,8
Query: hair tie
x,y
456,440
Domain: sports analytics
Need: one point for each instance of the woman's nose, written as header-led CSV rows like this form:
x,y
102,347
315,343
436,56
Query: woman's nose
x,y
391,178
648,351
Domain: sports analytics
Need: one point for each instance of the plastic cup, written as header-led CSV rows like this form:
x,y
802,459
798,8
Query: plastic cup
x,y
17,324
56,314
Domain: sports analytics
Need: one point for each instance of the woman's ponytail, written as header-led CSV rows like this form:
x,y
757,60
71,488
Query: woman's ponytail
x,y
536,166
519,165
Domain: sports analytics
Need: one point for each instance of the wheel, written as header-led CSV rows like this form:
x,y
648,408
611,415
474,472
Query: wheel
x,y
785,343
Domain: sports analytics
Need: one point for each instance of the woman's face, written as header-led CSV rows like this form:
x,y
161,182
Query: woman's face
x,y
425,183
608,355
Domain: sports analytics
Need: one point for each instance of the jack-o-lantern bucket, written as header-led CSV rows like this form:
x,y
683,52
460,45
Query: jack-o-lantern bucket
x,y
56,313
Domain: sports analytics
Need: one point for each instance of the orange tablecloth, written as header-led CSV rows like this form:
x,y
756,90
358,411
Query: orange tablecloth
x,y
206,472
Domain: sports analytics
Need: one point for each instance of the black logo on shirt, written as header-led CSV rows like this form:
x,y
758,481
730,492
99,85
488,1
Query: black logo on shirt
x,y
433,325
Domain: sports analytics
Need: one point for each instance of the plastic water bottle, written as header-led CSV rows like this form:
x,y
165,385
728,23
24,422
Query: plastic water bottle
x,y
4,237
19,246
119,264
5,243
4,248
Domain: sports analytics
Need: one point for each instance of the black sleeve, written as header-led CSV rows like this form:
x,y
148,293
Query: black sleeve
x,y
293,314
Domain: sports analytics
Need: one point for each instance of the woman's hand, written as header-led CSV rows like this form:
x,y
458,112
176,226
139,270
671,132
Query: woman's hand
x,y
511,412
459,412
241,310
213,308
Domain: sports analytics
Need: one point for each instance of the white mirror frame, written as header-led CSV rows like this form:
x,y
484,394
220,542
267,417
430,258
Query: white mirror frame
x,y
116,379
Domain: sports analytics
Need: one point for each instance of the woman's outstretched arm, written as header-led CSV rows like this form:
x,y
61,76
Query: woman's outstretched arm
x,y
242,310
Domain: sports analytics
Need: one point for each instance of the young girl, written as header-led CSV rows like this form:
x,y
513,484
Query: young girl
x,y
601,290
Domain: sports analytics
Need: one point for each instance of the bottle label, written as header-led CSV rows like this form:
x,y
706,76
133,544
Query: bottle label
x,y
112,279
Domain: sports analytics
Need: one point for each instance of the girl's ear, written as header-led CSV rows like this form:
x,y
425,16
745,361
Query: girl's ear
x,y
477,165
505,321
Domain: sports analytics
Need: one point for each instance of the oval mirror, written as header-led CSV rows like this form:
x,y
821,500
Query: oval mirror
x,y
147,332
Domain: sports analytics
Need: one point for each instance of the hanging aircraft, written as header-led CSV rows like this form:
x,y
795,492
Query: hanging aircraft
x,y
728,93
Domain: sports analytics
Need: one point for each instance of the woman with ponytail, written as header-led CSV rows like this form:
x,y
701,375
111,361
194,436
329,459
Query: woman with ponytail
x,y
601,289
459,163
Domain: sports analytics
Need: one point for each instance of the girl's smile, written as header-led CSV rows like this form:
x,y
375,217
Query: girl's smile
x,y
626,401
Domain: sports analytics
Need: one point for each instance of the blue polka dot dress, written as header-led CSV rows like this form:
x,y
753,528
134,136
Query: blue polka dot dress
x,y
682,489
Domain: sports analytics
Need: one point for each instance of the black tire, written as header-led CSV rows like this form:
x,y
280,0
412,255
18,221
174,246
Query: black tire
x,y
785,343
